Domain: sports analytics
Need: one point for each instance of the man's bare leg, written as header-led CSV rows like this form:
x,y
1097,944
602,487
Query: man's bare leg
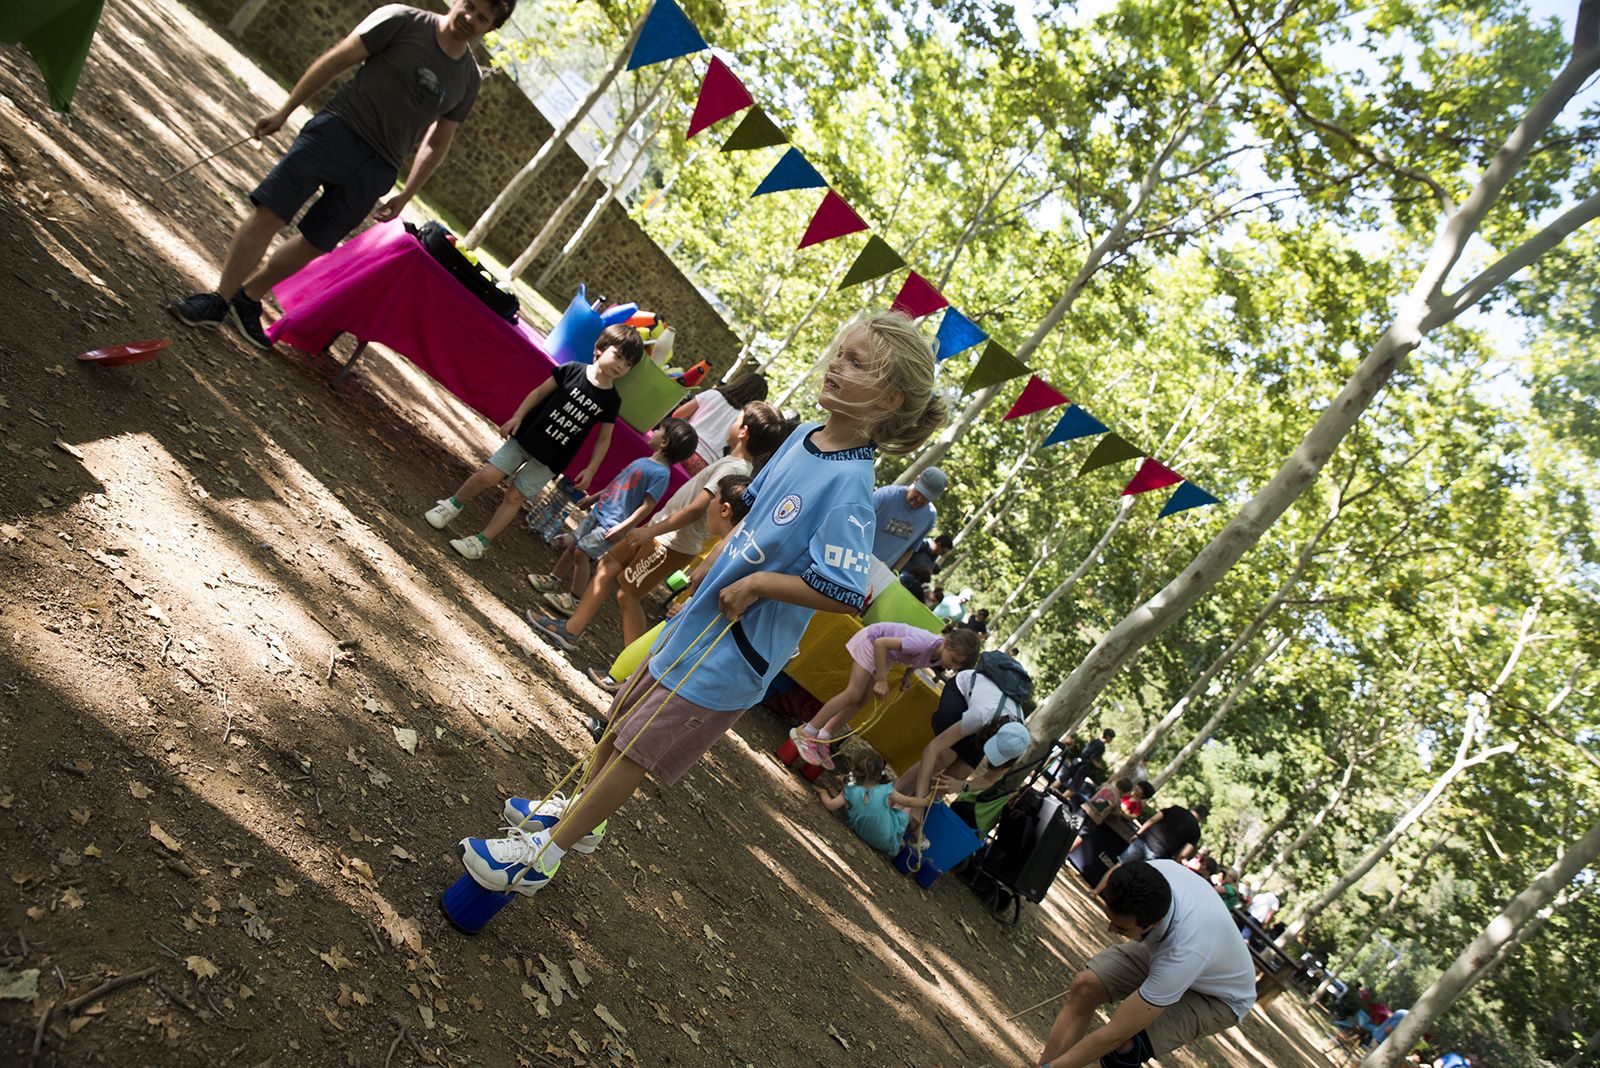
x,y
286,259
250,243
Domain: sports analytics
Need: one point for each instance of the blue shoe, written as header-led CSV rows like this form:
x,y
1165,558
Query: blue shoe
x,y
519,812
507,864
554,629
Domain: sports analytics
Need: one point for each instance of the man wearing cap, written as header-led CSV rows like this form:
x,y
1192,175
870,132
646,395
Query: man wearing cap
x,y
1183,973
905,515
977,732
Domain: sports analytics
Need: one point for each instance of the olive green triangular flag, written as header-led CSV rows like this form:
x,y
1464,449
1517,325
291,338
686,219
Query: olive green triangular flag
x,y
1111,449
755,130
996,365
875,261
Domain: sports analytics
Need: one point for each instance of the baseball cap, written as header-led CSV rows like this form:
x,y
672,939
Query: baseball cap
x,y
931,483
1008,743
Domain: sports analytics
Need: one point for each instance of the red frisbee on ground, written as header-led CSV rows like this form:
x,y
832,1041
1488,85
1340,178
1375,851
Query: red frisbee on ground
x,y
121,355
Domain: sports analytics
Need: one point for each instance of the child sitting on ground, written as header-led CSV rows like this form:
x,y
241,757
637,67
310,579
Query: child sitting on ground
x,y
873,809
873,651
544,435
805,547
614,511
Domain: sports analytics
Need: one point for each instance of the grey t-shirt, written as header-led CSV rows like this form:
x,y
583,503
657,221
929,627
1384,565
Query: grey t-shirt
x,y
405,83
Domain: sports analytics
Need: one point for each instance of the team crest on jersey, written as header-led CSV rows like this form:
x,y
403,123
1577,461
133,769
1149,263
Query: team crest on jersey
x,y
787,510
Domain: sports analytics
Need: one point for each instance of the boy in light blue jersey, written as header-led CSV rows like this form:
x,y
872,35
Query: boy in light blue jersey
x,y
805,547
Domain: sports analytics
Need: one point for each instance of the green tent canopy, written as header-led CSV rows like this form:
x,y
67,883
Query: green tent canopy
x,y
57,33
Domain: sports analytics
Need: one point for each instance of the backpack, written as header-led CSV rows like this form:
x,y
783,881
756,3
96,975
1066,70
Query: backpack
x,y
1011,678
435,238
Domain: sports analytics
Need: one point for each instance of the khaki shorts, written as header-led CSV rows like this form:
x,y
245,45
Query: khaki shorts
x,y
642,567
664,734
1123,968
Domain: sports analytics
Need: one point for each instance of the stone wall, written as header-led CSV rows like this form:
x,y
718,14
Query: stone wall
x,y
617,260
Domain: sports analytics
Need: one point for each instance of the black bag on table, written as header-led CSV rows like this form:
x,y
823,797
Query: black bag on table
x,y
435,237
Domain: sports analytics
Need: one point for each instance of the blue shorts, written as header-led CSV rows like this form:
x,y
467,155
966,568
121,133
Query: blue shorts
x,y
590,538
528,475
330,155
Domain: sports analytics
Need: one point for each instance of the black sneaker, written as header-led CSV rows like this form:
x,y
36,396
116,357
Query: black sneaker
x,y
246,316
199,309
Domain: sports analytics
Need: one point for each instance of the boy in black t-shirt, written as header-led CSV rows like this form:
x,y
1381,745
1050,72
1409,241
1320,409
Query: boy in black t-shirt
x,y
545,434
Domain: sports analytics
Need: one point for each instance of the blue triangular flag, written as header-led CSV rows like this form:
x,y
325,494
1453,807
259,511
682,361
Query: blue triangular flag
x,y
1185,497
667,34
1075,423
957,334
793,171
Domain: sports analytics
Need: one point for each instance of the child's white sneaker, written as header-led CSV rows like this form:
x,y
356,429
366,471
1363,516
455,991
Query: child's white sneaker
x,y
508,864
544,583
519,812
439,515
472,547
562,601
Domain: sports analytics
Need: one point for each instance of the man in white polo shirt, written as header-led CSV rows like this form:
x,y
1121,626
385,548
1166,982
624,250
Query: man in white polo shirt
x,y
1183,974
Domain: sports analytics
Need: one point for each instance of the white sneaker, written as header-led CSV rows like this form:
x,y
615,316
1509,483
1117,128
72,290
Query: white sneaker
x,y
519,812
439,515
545,583
507,864
562,601
472,547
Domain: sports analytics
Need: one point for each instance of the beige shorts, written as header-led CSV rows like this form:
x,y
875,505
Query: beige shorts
x,y
1124,967
643,567
663,734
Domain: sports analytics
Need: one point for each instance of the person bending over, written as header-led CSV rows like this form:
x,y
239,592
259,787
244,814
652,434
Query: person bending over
x,y
1183,974
416,83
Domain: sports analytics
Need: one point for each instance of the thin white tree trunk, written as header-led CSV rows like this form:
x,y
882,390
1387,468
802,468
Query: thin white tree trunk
x,y
1482,952
755,329
1311,826
1113,240
1204,734
1576,1059
827,291
1124,510
605,201
1046,550
993,500
1423,309
575,197
548,151
1241,864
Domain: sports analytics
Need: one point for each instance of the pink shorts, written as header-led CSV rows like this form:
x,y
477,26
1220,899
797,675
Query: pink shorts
x,y
662,733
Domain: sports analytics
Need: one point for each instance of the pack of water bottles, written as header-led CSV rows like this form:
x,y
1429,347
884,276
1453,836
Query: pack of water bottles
x,y
550,517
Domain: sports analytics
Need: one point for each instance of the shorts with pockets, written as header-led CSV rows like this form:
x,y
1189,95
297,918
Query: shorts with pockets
x,y
590,538
661,732
968,750
328,155
527,474
1124,967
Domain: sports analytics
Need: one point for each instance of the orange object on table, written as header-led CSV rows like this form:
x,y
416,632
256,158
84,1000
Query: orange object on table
x,y
822,668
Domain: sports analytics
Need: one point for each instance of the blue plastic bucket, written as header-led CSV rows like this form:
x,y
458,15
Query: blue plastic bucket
x,y
469,907
950,840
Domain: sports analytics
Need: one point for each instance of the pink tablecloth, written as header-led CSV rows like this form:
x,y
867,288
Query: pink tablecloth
x,y
383,286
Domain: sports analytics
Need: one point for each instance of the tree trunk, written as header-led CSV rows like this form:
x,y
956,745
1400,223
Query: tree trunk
x,y
1577,1058
547,151
827,291
1311,827
1204,733
1425,308
993,501
1470,965
755,330
1046,550
1241,864
1124,510
558,217
605,201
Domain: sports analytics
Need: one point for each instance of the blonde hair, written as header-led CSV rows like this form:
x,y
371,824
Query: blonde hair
x,y
901,358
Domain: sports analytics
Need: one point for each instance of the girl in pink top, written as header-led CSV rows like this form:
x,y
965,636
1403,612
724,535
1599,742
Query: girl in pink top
x,y
873,651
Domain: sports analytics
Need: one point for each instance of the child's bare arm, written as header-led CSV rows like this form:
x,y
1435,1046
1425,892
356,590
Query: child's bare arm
x,y
831,801
602,445
906,801
646,506
539,393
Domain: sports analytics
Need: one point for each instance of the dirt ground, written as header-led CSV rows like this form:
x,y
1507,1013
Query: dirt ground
x,y
196,782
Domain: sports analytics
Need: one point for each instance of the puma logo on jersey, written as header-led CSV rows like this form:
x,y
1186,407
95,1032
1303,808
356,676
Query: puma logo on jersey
x,y
858,524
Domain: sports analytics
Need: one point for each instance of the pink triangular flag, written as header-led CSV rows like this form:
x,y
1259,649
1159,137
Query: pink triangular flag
x,y
721,94
1152,475
834,218
1037,396
917,298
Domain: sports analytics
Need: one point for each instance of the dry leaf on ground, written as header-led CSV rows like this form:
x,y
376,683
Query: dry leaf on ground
x,y
164,838
201,967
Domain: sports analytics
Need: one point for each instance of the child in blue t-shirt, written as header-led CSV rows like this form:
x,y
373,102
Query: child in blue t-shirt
x,y
805,547
615,510
873,808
